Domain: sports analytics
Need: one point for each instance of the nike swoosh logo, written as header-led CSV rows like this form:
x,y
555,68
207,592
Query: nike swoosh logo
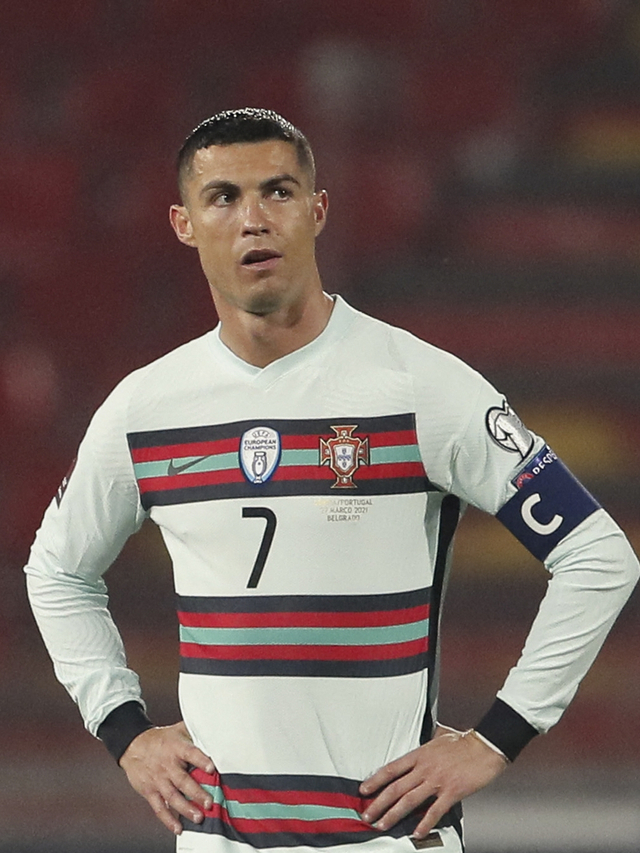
x,y
178,469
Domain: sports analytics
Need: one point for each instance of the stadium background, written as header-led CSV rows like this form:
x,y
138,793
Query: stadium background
x,y
483,162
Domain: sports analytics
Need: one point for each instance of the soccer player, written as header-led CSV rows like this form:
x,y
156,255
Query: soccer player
x,y
307,466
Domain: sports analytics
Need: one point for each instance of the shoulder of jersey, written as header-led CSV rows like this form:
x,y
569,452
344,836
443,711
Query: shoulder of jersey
x,y
177,366
415,354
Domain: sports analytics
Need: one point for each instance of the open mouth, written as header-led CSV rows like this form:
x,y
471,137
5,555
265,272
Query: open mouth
x,y
259,256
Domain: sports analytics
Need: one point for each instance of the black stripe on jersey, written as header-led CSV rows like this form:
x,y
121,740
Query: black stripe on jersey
x,y
313,426
216,826
449,518
305,668
292,782
283,488
303,603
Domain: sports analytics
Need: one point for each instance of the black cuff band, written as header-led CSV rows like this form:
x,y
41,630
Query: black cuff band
x,y
121,726
506,729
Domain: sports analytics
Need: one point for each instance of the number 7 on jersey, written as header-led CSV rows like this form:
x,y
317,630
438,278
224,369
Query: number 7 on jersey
x,y
267,538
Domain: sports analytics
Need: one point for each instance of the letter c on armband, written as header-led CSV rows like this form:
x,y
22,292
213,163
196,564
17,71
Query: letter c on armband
x,y
537,526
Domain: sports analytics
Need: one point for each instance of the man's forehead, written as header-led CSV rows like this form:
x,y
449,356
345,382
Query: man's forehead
x,y
245,161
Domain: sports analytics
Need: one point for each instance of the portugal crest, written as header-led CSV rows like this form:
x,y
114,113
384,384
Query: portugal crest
x,y
344,453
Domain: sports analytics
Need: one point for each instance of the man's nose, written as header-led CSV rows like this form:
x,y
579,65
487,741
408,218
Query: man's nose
x,y
254,217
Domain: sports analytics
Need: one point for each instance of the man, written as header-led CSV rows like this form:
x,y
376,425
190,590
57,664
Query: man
x,y
307,466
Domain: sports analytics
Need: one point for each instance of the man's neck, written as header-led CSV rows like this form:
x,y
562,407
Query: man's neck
x,y
262,339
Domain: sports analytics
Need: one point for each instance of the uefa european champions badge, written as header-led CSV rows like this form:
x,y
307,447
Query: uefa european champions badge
x,y
259,453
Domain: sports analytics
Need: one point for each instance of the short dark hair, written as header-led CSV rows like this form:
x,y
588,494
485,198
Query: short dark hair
x,y
244,125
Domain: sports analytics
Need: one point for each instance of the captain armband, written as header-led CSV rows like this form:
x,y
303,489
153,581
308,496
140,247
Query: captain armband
x,y
548,504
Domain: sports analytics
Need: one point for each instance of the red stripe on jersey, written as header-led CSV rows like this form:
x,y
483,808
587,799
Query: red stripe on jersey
x,y
303,472
389,651
391,439
300,442
357,619
376,439
282,826
389,470
380,471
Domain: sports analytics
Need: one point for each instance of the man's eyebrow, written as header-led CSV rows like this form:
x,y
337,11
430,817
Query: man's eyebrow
x,y
279,179
215,184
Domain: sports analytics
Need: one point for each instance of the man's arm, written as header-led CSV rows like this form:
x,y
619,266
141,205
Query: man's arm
x,y
594,571
82,533
89,659
475,447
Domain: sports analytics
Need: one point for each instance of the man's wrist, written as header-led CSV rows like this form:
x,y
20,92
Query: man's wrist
x,y
477,736
505,729
121,726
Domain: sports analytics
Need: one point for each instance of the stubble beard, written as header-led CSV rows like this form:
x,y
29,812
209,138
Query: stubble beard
x,y
258,298
263,300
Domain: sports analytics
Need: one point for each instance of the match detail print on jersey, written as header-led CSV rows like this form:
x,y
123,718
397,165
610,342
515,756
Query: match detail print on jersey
x,y
548,505
269,811
272,458
327,636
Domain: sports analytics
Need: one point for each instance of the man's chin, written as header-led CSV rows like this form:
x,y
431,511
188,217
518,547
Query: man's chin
x,y
260,297
264,301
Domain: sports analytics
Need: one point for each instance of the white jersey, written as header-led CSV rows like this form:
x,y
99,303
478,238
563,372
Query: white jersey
x,y
309,509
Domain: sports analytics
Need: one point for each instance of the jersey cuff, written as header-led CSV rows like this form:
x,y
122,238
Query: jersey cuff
x,y
121,726
506,729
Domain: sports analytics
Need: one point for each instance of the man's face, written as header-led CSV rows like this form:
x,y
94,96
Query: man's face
x,y
251,211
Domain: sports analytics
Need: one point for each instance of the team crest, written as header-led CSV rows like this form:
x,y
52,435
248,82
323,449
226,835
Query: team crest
x,y
259,453
344,453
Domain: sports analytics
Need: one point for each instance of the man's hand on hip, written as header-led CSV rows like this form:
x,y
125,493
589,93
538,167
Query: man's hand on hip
x,y
156,764
446,769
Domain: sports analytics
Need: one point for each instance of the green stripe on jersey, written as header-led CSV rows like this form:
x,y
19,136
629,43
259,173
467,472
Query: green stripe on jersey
x,y
376,636
160,468
279,811
395,453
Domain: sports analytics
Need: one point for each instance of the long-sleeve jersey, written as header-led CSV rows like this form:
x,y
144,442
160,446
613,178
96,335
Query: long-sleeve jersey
x,y
309,509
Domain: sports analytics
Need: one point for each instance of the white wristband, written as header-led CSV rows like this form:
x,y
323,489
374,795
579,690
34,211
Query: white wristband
x,y
486,742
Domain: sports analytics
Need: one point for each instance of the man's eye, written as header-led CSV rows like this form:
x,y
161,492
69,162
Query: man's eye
x,y
222,198
281,192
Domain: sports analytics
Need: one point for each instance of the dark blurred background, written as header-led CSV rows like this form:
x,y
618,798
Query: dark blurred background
x,y
483,164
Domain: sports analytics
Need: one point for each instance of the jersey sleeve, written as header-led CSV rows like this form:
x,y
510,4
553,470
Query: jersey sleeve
x,y
96,509
593,570
491,460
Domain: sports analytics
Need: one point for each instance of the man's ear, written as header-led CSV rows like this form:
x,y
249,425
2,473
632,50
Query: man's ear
x,y
181,224
320,208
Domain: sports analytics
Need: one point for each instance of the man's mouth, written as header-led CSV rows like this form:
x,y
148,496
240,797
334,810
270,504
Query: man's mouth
x,y
260,257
